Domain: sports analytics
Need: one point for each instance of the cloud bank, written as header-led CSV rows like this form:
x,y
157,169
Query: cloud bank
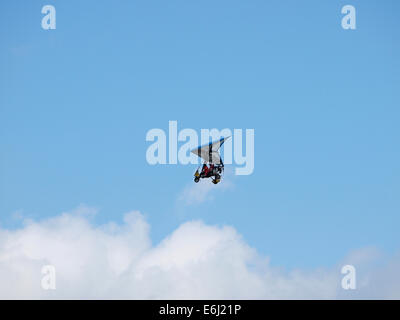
x,y
196,261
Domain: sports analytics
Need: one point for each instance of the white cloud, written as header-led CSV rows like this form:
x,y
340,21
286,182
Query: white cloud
x,y
196,261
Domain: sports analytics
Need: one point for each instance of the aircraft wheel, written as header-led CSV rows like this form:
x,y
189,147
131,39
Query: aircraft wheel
x,y
196,179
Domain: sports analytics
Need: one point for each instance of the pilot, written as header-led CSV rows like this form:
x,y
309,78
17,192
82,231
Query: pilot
x,y
204,170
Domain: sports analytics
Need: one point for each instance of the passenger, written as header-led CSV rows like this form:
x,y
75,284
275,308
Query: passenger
x,y
204,170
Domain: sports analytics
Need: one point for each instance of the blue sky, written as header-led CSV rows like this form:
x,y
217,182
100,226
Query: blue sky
x,y
76,104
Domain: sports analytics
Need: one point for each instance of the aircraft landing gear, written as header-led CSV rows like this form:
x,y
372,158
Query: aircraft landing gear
x,y
217,179
215,176
197,176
